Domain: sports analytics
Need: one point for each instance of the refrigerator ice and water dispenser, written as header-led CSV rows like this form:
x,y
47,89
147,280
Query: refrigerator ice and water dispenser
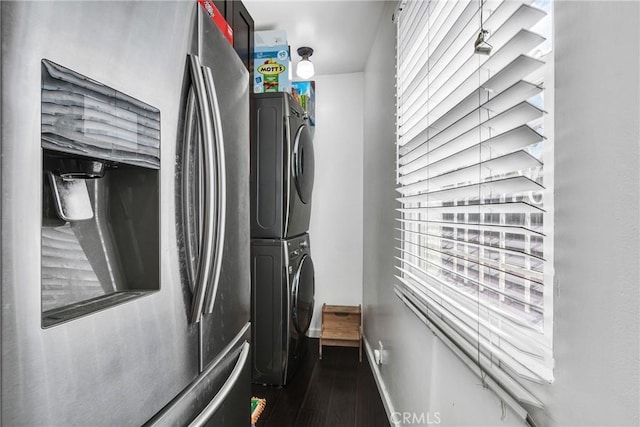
x,y
100,220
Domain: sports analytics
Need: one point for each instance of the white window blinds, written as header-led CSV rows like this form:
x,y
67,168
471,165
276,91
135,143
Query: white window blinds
x,y
473,221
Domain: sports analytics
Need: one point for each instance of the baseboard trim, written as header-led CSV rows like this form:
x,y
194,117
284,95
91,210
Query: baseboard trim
x,y
377,375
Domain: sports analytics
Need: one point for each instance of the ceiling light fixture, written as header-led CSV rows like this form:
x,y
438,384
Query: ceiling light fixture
x,y
305,69
481,46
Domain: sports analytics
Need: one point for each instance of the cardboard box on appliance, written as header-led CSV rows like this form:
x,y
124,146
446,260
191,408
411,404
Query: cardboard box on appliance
x,y
305,93
218,19
271,62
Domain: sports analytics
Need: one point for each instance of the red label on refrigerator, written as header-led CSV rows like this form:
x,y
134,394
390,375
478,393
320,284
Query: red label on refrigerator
x,y
217,19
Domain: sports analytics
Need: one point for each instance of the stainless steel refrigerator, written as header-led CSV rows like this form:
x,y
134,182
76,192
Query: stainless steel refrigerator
x,y
125,216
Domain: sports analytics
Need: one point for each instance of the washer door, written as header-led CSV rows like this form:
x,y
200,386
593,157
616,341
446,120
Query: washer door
x,y
303,163
303,291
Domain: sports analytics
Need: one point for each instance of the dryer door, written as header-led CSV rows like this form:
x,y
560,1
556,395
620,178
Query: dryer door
x,y
303,291
303,163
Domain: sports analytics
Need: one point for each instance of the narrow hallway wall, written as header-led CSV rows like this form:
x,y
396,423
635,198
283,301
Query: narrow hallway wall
x,y
597,239
336,214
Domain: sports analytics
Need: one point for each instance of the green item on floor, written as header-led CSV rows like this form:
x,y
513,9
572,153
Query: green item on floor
x,y
257,406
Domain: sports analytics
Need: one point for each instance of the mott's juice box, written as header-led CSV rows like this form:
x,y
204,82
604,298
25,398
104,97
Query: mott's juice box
x,y
271,72
271,62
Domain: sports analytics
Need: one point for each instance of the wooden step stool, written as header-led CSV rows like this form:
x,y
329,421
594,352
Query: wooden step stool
x,y
341,326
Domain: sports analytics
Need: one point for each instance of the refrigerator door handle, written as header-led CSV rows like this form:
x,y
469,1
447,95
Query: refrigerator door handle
x,y
208,224
221,171
229,384
192,231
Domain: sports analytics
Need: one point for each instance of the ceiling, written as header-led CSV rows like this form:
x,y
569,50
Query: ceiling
x,y
340,32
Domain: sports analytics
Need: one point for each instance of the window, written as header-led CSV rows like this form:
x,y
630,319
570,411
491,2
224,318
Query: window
x,y
471,148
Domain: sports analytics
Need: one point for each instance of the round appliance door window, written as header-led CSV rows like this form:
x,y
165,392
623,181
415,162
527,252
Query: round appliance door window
x,y
303,295
303,163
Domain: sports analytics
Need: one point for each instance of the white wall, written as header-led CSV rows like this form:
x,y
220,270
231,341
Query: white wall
x,y
597,237
597,295
336,214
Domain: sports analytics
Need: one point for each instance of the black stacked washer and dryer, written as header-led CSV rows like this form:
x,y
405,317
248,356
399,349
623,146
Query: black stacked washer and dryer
x,y
282,274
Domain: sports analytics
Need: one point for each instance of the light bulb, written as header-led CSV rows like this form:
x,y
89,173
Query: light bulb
x,y
305,69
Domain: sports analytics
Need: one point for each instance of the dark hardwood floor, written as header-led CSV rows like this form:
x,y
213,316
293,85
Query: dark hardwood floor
x,y
337,391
